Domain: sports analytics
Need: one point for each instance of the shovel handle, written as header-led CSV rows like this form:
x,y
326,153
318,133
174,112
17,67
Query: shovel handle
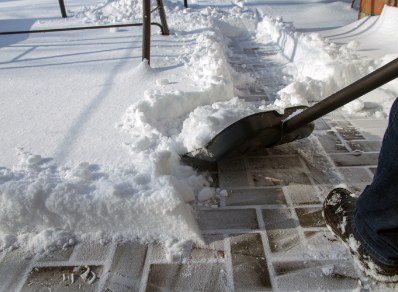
x,y
364,85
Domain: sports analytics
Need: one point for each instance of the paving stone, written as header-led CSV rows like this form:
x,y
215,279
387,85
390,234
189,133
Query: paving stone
x,y
370,123
212,249
159,253
281,230
127,263
285,149
365,146
249,264
63,278
357,189
310,217
320,124
91,251
255,196
315,276
58,255
234,179
323,245
13,266
333,116
187,277
281,218
375,134
355,175
322,171
273,162
222,219
280,178
355,160
331,143
284,241
302,194
347,131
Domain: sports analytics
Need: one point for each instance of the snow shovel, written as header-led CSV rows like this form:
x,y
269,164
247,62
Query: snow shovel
x,y
268,129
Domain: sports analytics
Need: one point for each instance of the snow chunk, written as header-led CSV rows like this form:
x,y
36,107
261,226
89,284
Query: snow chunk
x,y
205,194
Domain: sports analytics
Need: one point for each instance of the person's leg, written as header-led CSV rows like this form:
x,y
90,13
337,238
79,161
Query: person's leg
x,y
375,221
369,224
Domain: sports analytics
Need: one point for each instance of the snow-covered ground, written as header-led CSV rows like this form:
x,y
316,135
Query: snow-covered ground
x,y
92,137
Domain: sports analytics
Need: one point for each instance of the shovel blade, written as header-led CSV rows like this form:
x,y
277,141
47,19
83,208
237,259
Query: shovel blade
x,y
254,132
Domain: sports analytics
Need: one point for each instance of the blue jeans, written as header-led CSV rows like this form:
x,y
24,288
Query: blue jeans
x,y
375,220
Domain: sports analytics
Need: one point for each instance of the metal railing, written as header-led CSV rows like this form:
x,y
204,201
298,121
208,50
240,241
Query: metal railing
x,y
146,24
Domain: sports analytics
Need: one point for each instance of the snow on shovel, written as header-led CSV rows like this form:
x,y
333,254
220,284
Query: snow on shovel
x,y
269,128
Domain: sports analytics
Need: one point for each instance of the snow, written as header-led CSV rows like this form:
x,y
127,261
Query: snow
x,y
92,137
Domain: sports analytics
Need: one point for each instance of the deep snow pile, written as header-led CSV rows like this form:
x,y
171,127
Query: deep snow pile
x,y
320,67
48,205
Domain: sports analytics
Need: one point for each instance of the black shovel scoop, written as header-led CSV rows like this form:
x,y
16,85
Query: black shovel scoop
x,y
268,129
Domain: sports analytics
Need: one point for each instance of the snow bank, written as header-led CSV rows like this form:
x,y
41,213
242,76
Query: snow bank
x,y
188,119
45,206
320,68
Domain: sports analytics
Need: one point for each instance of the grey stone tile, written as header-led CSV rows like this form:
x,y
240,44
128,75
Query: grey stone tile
x,y
355,160
280,178
284,241
365,146
212,249
315,276
357,189
280,218
310,217
281,229
336,115
63,278
347,131
222,219
255,196
302,194
375,134
331,143
13,267
322,171
58,255
187,277
292,162
320,124
127,263
355,175
234,179
159,253
249,264
323,245
370,123
91,251
285,149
